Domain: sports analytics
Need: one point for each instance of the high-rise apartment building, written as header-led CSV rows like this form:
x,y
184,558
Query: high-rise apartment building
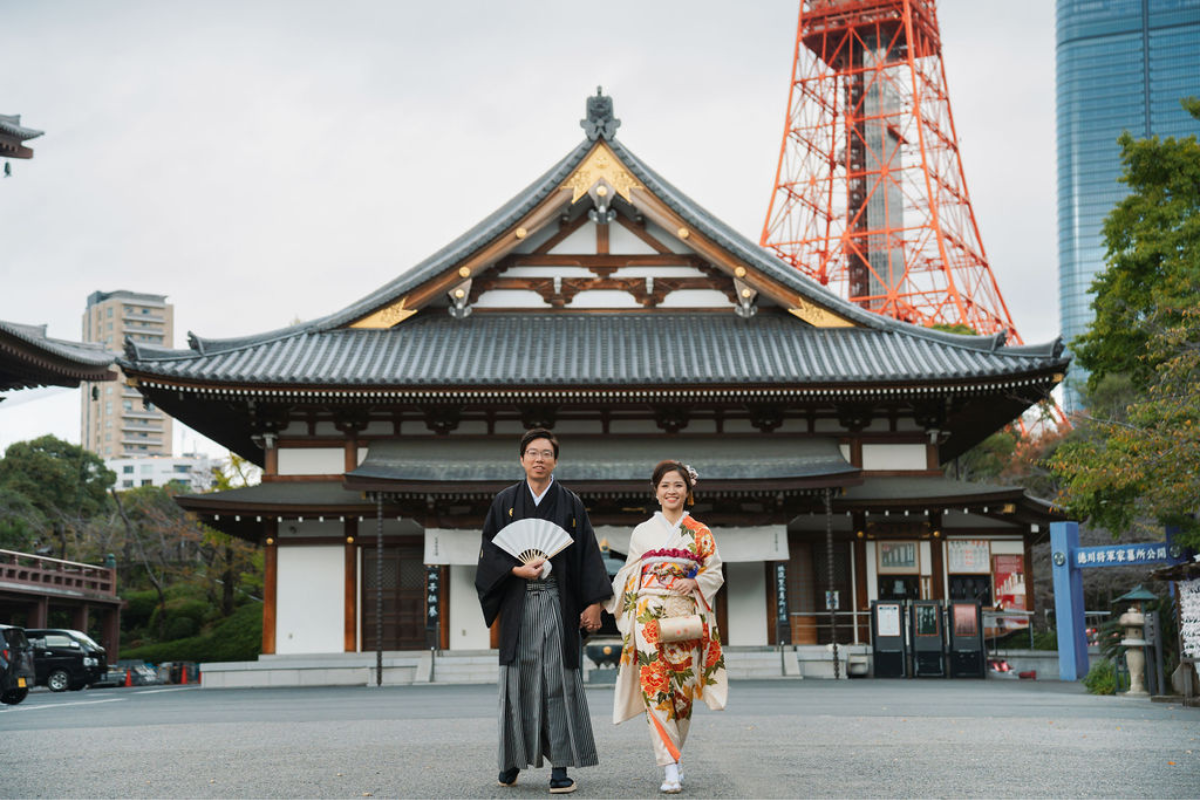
x,y
115,421
1123,65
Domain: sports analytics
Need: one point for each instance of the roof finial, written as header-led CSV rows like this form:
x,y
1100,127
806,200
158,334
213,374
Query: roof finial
x,y
600,120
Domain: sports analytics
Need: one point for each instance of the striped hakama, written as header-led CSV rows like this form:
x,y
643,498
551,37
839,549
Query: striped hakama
x,y
543,709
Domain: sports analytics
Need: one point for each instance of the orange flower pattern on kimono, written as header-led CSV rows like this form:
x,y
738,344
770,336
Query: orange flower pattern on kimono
x,y
669,676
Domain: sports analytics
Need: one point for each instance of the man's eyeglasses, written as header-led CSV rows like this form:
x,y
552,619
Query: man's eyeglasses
x,y
543,454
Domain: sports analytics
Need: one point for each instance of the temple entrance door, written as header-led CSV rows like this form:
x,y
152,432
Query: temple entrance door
x,y
403,598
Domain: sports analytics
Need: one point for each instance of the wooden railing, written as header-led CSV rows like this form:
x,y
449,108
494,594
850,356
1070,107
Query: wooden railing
x,y
54,573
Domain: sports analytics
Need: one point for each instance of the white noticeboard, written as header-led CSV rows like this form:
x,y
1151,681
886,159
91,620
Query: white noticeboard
x,y
1189,617
970,556
887,619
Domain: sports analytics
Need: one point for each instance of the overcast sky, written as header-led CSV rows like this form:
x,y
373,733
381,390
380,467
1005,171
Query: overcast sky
x,y
259,162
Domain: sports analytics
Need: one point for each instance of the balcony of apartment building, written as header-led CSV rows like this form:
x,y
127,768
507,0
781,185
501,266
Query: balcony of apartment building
x,y
137,445
138,413
129,316
33,586
139,428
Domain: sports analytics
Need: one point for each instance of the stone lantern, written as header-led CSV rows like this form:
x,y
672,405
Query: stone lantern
x,y
1133,621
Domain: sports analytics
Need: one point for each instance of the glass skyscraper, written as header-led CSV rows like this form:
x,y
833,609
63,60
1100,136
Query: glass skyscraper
x,y
1122,65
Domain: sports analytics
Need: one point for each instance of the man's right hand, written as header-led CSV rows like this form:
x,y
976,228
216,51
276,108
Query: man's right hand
x,y
531,571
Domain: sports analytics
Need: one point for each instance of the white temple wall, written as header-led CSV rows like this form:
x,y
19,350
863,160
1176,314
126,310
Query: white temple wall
x,y
622,240
894,457
747,609
310,597
581,242
312,460
467,631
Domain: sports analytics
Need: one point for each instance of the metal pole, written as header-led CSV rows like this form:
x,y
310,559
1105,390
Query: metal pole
x,y
829,565
379,590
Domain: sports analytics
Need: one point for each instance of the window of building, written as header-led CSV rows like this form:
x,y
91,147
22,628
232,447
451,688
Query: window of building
x,y
147,482
184,468
109,314
127,469
127,484
127,405
147,469
110,327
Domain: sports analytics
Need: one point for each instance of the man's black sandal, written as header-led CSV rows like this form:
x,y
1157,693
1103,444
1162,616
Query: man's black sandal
x,y
508,777
561,786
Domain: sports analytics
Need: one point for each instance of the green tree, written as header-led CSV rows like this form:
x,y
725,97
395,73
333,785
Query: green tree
x,y
64,483
1152,239
1135,462
236,560
162,539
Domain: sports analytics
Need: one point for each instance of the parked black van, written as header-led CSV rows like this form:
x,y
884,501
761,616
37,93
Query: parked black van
x,y
66,659
17,672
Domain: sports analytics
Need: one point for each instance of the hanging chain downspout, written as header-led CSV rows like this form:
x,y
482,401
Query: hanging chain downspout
x,y
379,590
829,566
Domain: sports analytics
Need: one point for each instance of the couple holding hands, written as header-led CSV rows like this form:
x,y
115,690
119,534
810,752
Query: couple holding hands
x,y
662,601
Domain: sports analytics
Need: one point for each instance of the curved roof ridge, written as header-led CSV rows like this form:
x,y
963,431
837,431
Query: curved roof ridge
x,y
92,353
774,266
522,202
474,238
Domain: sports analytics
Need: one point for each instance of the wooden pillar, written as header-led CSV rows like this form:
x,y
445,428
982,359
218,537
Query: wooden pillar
x,y
270,580
41,613
861,603
110,624
350,601
270,456
937,573
79,617
350,456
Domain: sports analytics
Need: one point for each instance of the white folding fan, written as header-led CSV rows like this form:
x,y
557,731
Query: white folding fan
x,y
530,539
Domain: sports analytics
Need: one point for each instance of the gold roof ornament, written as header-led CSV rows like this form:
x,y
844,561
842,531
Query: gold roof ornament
x,y
386,317
817,316
601,165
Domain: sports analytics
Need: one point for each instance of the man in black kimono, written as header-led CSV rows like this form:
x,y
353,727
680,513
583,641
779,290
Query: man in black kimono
x,y
543,710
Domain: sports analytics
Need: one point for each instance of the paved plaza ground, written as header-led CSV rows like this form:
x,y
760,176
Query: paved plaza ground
x,y
863,738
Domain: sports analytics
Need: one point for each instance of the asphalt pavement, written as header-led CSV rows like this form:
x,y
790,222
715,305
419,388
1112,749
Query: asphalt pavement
x,y
862,738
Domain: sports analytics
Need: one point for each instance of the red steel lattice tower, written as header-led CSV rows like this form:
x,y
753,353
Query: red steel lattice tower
x,y
870,197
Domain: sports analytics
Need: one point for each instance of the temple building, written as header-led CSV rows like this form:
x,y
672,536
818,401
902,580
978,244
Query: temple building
x,y
33,586
29,359
604,303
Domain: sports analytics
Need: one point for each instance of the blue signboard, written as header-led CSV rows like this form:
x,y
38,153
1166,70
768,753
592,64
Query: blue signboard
x,y
1121,555
1068,560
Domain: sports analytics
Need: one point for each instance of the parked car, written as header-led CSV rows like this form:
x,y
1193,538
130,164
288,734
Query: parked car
x,y
139,673
17,672
66,659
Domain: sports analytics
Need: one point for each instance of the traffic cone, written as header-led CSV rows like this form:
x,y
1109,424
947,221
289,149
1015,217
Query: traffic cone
x,y
128,677
183,671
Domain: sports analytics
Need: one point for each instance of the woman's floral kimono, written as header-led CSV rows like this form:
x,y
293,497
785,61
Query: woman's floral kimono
x,y
659,678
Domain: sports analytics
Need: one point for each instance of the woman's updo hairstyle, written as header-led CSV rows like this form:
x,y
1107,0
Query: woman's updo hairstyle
x,y
687,473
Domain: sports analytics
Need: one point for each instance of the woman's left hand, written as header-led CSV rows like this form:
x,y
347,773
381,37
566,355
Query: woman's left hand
x,y
685,586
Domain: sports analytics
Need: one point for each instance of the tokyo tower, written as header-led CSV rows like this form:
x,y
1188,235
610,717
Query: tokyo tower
x,y
870,197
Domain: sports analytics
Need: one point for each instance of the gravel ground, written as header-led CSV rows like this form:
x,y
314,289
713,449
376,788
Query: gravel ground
x,y
778,739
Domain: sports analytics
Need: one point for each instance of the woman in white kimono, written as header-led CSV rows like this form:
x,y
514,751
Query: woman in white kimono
x,y
673,571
